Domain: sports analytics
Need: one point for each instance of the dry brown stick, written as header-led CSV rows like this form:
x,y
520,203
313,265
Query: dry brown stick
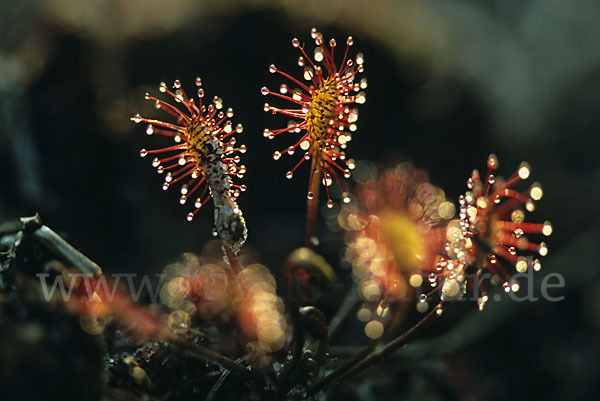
x,y
22,224
32,225
57,244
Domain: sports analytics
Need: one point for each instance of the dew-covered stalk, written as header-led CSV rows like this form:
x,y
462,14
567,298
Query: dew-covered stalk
x,y
204,157
312,205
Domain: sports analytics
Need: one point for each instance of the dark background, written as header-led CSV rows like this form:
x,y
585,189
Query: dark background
x,y
449,83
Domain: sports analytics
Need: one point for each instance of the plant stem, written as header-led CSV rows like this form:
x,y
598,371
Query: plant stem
x,y
219,383
298,336
312,205
363,359
212,356
232,260
312,208
217,386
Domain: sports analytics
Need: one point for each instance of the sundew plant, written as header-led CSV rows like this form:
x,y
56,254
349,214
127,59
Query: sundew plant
x,y
222,325
404,237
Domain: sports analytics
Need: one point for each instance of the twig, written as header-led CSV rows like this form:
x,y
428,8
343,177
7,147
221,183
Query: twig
x,y
356,364
212,356
217,386
22,224
57,244
33,225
